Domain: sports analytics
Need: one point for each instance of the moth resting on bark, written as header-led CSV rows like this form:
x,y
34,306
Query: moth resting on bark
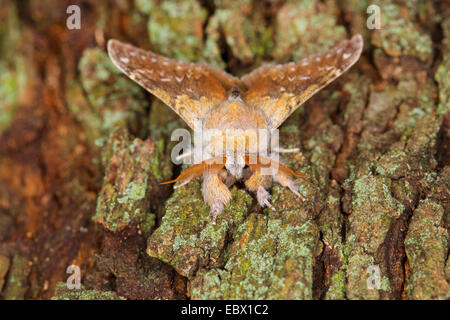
x,y
260,100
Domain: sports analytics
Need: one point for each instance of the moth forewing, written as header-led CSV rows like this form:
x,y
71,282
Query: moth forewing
x,y
189,89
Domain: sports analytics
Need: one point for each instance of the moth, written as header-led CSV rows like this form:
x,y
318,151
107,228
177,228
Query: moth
x,y
260,100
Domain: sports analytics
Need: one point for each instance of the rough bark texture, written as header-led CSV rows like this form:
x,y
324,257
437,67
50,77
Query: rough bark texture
x,y
82,150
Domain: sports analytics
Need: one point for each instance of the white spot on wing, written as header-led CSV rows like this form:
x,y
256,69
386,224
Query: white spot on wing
x,y
124,59
346,55
304,78
154,59
305,62
132,53
165,79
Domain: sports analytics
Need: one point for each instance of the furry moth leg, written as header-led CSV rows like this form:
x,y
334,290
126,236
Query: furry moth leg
x,y
215,194
287,180
258,183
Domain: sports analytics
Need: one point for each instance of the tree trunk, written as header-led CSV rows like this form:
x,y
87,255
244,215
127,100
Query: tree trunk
x,y
83,149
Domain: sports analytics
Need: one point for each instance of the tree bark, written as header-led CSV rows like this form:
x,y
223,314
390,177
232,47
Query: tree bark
x,y
83,149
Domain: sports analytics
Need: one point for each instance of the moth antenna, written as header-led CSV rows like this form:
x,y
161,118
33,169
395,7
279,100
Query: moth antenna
x,y
284,178
182,184
210,166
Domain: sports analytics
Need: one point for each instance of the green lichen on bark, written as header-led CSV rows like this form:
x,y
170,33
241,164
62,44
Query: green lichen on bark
x,y
186,238
372,210
63,293
244,30
400,33
126,191
305,28
110,101
426,250
13,73
176,27
271,257
442,75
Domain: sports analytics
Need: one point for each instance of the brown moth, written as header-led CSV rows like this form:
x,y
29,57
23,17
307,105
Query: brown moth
x,y
261,100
